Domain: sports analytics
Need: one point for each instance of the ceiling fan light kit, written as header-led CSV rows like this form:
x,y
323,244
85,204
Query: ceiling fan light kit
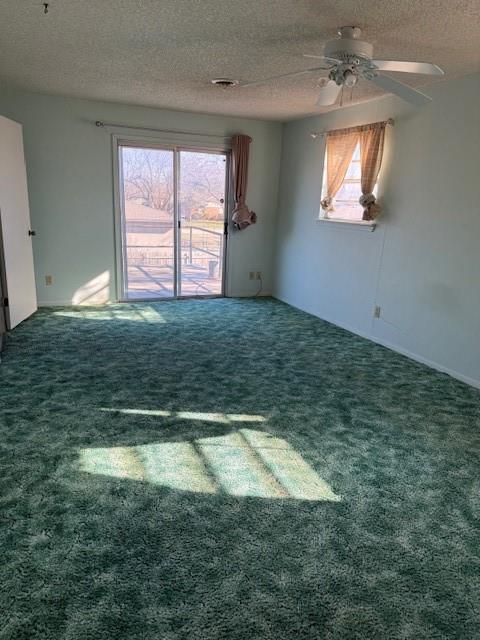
x,y
349,59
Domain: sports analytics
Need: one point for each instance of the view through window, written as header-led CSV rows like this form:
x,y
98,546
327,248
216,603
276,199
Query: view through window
x,y
346,205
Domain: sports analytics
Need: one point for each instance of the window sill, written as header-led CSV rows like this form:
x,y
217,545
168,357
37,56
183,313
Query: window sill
x,y
367,225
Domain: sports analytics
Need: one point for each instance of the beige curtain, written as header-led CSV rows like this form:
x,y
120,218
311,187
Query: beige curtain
x,y
242,217
340,146
371,152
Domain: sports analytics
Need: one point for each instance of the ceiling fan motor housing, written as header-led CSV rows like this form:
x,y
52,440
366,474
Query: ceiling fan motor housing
x,y
348,49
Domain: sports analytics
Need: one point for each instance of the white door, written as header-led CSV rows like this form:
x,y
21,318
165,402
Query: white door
x,y
15,225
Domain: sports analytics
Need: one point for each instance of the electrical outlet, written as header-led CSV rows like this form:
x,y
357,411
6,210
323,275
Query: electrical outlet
x,y
377,311
252,275
48,281
258,275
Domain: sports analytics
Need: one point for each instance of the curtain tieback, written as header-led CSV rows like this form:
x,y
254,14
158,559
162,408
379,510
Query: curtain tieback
x,y
242,216
370,207
327,203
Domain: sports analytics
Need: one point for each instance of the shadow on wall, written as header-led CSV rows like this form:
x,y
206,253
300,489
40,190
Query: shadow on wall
x,y
241,463
95,291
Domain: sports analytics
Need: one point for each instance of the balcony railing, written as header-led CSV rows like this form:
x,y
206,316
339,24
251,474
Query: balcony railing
x,y
201,256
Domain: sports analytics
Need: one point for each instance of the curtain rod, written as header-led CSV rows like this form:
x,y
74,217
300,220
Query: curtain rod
x,y
316,134
115,125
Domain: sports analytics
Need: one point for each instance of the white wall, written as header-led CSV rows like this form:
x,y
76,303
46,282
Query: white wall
x,y
422,263
69,165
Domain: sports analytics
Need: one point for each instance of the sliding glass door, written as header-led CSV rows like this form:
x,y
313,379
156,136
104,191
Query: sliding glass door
x,y
202,222
148,222
172,222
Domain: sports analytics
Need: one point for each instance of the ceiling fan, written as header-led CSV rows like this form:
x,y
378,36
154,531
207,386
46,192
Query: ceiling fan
x,y
349,60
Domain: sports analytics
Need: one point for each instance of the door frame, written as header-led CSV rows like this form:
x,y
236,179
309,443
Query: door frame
x,y
175,145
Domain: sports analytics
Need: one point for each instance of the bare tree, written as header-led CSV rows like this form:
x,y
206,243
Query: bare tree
x,y
202,183
148,177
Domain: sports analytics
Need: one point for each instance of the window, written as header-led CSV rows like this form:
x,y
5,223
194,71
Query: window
x,y
346,205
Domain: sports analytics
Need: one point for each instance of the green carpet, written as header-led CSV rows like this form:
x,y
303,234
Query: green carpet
x,y
231,469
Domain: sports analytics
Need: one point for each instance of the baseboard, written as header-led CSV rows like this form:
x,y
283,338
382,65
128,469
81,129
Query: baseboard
x,y
262,294
68,303
55,304
429,363
393,347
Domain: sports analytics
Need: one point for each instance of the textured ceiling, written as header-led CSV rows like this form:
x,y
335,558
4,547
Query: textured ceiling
x,y
163,53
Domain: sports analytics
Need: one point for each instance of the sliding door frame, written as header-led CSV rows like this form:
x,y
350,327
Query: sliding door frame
x,y
226,211
164,144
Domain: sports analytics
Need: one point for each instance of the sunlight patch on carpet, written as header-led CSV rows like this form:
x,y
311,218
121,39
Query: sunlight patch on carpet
x,y
240,463
131,313
223,418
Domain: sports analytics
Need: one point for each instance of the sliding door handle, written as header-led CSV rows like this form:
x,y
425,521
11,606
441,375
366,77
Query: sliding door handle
x,y
31,232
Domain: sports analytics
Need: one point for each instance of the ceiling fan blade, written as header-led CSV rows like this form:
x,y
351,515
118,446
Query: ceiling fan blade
x,y
253,83
408,67
329,62
401,90
328,94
